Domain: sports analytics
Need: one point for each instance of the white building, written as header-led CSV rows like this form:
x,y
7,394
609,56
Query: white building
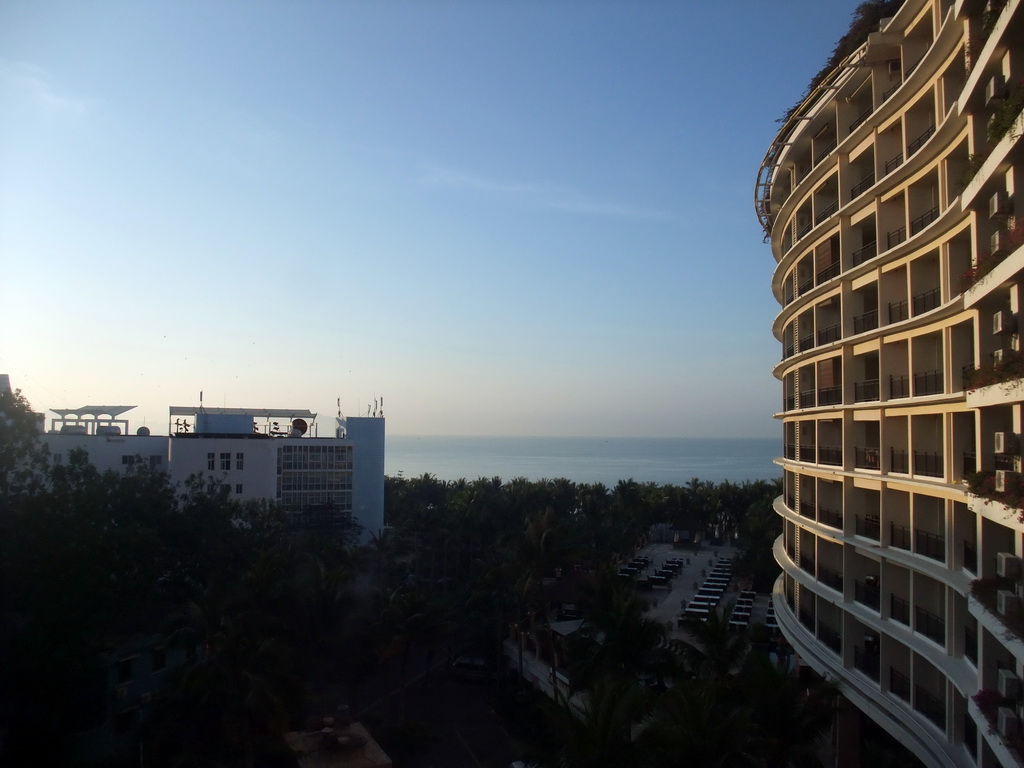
x,y
255,453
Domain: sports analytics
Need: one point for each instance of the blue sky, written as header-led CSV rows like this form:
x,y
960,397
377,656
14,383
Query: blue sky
x,y
521,217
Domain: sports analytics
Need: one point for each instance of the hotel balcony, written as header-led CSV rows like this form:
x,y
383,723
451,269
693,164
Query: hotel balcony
x,y
865,391
867,458
869,526
865,253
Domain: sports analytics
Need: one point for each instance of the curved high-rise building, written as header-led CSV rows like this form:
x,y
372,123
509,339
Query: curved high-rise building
x,y
894,201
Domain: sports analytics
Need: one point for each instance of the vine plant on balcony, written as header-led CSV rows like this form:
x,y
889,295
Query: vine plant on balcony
x,y
1013,239
983,485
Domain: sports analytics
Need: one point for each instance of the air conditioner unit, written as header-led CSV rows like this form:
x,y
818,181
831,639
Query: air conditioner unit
x,y
1008,565
1005,442
1000,356
999,205
1007,602
1000,481
997,242
1009,723
1003,322
1009,684
895,67
995,89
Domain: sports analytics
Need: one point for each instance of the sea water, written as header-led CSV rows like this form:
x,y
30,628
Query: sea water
x,y
664,461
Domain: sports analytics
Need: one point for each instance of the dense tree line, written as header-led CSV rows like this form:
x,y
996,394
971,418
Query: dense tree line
x,y
286,624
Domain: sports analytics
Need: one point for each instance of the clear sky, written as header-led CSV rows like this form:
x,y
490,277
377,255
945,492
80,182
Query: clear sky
x,y
518,217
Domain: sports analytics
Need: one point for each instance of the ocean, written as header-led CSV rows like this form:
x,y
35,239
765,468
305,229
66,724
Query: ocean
x,y
584,459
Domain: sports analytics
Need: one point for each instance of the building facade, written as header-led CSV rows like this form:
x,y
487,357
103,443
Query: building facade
x,y
253,453
893,198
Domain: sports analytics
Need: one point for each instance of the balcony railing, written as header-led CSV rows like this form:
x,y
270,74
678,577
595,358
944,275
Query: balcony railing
x,y
865,252
789,402
806,285
899,610
807,619
922,221
930,545
806,342
829,516
899,684
897,311
830,638
807,509
866,458
891,91
928,463
893,163
971,643
869,526
830,577
865,391
897,236
970,558
928,383
899,536
866,322
829,272
917,143
827,211
829,455
807,453
830,395
861,118
807,398
863,185
930,706
899,386
825,150
804,229
867,594
807,563
790,451
790,350
1004,461
829,334
866,662
898,462
926,301
928,624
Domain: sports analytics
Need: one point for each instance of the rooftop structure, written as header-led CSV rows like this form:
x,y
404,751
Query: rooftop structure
x,y
891,200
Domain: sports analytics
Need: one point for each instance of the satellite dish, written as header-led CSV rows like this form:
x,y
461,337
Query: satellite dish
x,y
142,431
299,427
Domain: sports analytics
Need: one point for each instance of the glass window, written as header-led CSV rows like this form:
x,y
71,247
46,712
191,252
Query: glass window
x,y
211,461
239,461
225,461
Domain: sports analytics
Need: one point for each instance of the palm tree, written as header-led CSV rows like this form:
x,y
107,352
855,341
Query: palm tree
x,y
790,717
595,729
698,723
715,652
617,638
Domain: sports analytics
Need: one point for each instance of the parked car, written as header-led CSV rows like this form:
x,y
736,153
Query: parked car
x,y
472,669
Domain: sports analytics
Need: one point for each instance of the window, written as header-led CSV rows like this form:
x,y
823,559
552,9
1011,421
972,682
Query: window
x,y
238,488
127,460
225,461
124,670
211,461
239,461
